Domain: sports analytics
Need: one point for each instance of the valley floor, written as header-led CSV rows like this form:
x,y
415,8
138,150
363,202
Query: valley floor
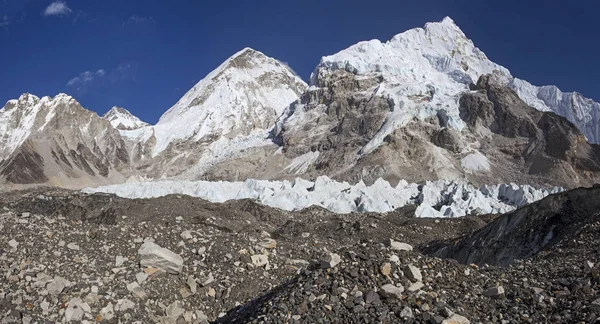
x,y
68,256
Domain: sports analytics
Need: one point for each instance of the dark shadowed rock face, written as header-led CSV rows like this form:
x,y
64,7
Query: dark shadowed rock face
x,y
529,230
25,166
549,145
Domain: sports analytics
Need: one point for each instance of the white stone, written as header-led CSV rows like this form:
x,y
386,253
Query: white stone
x,y
186,235
108,312
13,244
119,260
45,306
260,260
57,285
75,310
191,282
456,319
174,311
398,246
141,277
152,255
73,246
391,291
415,286
412,273
136,290
331,261
123,305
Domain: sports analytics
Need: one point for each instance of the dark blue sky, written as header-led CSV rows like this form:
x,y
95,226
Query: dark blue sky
x,y
144,55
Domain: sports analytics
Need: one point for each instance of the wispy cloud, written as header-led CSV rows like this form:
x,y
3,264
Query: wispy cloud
x,y
85,80
136,20
4,22
57,8
81,81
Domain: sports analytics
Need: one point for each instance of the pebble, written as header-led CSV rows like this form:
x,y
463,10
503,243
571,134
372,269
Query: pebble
x,y
260,260
119,260
13,244
73,246
330,261
386,269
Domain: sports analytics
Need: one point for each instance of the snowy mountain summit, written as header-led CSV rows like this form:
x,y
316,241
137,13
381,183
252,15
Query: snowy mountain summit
x,y
244,95
122,119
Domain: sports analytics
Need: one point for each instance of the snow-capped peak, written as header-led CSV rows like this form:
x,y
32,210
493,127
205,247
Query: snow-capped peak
x,y
122,119
425,71
244,95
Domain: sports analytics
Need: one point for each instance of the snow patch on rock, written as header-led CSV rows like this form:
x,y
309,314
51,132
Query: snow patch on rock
x,y
475,162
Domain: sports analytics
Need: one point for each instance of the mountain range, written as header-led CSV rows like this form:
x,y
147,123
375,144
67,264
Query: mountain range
x,y
425,105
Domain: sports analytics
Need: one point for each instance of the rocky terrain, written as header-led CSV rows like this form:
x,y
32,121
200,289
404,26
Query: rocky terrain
x,y
72,257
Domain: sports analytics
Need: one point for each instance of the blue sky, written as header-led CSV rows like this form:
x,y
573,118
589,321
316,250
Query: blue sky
x,y
144,55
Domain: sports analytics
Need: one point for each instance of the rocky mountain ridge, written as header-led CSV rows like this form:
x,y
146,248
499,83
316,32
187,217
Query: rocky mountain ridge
x,y
404,109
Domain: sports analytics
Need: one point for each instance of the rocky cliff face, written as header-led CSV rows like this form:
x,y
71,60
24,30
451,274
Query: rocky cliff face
x,y
527,231
57,142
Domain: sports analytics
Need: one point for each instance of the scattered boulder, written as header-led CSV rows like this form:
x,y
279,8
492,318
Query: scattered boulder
x,y
398,246
456,319
152,255
260,260
391,291
330,261
412,273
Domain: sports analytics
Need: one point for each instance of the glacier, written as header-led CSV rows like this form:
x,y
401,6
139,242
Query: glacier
x,y
439,198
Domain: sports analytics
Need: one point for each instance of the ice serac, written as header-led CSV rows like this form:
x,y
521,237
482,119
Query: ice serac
x,y
122,119
58,142
242,97
433,199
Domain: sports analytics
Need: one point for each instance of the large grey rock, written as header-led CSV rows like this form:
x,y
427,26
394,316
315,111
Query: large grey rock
x,y
391,291
413,273
152,255
330,261
398,246
456,319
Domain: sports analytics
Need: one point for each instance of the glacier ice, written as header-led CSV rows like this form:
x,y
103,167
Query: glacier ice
x,y
439,198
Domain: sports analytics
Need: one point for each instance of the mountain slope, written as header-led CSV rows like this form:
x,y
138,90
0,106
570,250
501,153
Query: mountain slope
x,y
397,110
228,112
527,231
57,142
245,95
122,119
